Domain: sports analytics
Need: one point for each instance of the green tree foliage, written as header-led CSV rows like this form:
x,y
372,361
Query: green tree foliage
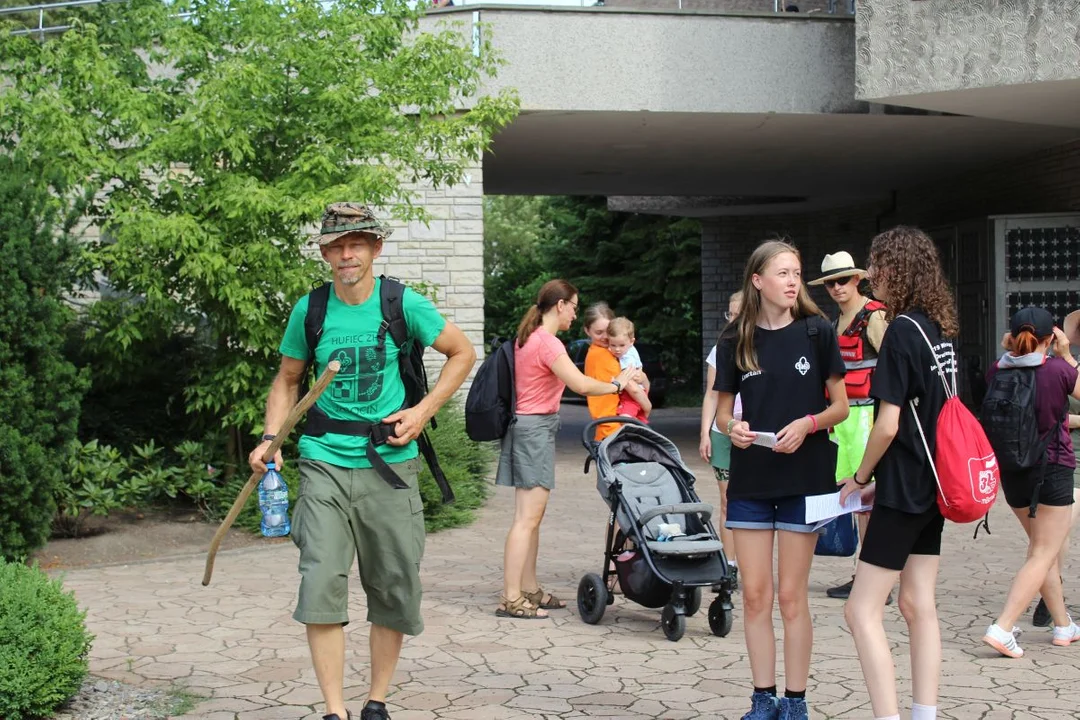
x,y
212,132
646,267
514,260
39,403
43,643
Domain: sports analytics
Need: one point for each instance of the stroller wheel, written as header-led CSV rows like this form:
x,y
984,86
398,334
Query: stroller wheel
x,y
693,601
720,618
592,598
674,624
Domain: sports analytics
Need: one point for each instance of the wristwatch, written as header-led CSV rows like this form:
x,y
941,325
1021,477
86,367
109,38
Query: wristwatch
x,y
269,436
617,384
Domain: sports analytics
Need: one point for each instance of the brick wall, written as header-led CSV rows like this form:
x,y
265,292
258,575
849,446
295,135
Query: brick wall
x,y
447,253
1048,181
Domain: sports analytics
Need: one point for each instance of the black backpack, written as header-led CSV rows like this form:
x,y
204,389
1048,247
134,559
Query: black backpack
x,y
1009,417
489,407
410,367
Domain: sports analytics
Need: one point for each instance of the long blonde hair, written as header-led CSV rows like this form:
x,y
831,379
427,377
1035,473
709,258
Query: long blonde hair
x,y
549,296
746,323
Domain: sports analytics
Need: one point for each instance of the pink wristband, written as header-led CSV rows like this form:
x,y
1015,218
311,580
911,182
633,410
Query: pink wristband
x,y
813,420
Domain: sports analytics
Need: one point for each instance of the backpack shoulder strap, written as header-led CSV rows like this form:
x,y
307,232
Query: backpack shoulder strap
x,y
318,299
814,333
391,294
950,389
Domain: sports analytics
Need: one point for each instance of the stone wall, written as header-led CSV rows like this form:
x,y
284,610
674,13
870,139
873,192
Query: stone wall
x,y
448,254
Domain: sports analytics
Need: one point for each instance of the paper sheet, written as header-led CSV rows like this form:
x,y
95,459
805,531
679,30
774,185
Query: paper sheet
x,y
764,439
822,509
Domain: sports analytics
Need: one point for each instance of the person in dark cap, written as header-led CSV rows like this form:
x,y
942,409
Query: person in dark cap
x,y
359,496
1040,496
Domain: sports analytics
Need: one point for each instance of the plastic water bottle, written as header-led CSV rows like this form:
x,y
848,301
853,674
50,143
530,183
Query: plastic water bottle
x,y
274,503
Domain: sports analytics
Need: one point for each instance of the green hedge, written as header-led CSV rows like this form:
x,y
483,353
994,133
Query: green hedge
x,y
43,643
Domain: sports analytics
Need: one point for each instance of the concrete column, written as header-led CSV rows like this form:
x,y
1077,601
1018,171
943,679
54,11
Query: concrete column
x,y
445,257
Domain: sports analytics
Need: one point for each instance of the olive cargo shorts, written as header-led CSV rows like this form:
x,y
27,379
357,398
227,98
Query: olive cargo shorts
x,y
343,513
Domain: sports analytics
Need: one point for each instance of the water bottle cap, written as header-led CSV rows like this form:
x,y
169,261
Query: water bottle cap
x,y
270,465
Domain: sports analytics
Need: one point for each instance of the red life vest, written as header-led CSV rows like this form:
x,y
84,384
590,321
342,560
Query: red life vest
x,y
859,356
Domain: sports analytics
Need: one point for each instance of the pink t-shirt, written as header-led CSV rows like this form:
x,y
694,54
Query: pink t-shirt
x,y
539,391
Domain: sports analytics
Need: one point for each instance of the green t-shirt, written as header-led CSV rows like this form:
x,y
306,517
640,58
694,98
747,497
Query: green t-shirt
x,y
368,387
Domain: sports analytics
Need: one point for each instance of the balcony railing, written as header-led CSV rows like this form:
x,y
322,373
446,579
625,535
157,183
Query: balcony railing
x,y
45,18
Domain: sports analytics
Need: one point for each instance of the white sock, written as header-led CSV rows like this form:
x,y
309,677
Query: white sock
x,y
889,717
923,712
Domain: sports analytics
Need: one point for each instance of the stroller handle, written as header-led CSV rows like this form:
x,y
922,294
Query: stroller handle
x,y
590,429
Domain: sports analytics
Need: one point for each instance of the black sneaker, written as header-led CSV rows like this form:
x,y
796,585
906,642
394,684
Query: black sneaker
x,y
1041,616
841,592
335,716
374,710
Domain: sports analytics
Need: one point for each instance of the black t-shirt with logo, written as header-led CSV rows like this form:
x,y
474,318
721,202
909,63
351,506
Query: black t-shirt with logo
x,y
791,384
906,371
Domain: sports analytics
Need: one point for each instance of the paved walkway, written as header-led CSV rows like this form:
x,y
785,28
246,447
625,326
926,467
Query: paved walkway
x,y
235,643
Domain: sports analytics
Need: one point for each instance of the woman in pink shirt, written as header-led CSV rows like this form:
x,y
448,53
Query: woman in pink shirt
x,y
542,369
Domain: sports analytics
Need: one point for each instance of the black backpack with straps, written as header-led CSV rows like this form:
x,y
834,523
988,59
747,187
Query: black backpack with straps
x,y
410,367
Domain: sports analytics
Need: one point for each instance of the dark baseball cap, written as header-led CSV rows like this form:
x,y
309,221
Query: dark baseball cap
x,y
1037,320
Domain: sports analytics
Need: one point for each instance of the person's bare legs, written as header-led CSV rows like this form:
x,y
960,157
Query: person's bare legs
x,y
755,548
796,552
327,645
865,615
529,507
1047,531
529,580
918,605
385,645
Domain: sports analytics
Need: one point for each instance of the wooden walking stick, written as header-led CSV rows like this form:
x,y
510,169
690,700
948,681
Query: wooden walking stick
x,y
283,432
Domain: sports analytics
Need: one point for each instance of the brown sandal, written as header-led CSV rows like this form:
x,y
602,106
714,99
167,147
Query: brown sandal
x,y
520,609
544,600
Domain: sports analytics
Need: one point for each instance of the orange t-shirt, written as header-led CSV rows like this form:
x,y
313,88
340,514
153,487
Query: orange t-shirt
x,y
601,365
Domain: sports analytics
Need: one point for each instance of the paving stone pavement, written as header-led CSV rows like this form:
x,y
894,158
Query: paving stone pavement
x,y
235,643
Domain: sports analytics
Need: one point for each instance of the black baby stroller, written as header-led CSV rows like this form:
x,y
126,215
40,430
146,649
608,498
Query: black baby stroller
x,y
643,479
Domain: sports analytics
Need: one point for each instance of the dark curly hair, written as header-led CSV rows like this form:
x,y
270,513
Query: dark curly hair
x,y
905,260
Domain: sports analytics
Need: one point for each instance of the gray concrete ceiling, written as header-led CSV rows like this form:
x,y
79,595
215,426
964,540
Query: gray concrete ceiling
x,y
826,159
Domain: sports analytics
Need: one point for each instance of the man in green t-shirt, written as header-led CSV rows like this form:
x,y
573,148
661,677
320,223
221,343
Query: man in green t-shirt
x,y
346,509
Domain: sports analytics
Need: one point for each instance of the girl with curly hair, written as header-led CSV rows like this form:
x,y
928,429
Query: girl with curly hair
x,y
779,355
903,538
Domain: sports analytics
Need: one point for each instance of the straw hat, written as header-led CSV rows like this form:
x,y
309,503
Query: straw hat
x,y
837,265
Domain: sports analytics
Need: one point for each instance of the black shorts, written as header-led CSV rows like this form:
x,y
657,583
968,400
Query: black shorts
x,y
892,536
1056,490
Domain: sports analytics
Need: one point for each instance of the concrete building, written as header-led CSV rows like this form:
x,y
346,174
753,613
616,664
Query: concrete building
x,y
959,116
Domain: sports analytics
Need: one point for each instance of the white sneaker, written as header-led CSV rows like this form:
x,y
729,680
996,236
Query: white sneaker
x,y
1005,642
1064,636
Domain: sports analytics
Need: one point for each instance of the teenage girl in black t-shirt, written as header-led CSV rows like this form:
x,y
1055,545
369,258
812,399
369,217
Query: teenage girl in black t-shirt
x,y
903,538
780,356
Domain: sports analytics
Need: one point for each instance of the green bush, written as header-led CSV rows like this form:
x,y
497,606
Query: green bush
x,y
41,390
99,480
43,643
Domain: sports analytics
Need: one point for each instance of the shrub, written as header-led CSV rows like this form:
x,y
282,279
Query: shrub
x,y
99,480
39,403
43,643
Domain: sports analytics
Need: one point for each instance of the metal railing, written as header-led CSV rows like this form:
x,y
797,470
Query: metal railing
x,y
40,10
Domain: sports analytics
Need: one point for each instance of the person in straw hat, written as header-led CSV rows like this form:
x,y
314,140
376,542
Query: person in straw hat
x,y
347,507
859,329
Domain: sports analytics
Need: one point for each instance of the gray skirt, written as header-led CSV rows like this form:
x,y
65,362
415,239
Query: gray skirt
x,y
527,458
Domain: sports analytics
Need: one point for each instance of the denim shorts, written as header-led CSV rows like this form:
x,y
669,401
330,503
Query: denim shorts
x,y
786,513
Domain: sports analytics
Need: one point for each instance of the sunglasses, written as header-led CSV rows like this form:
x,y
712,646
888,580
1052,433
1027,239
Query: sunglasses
x,y
830,284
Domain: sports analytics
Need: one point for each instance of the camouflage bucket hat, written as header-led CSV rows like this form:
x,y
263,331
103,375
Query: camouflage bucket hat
x,y
346,217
